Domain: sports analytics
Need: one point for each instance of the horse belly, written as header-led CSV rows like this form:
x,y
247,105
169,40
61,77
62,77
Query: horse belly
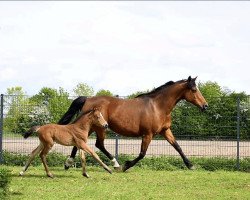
x,y
125,127
66,140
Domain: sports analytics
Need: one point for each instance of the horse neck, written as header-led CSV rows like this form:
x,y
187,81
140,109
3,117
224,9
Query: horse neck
x,y
170,96
83,124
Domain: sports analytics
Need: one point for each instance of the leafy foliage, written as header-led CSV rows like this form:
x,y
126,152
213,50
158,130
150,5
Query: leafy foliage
x,y
5,178
83,89
154,163
103,92
220,120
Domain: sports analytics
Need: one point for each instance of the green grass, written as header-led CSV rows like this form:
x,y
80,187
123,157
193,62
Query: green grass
x,y
135,184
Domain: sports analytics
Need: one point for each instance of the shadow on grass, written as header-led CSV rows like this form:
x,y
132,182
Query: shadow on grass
x,y
13,194
43,176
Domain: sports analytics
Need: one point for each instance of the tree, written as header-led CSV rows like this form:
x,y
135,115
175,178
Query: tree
x,y
56,101
45,107
83,89
219,120
135,94
15,102
103,92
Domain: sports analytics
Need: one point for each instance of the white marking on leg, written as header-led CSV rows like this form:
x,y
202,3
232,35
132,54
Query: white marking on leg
x,y
21,173
69,162
115,163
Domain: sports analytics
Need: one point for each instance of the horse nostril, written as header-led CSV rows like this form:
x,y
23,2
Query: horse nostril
x,y
106,126
205,107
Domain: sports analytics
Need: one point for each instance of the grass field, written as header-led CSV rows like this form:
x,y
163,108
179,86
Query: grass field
x,y
135,184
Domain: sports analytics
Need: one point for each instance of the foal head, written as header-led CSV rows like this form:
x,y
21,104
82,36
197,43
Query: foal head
x,y
97,118
193,95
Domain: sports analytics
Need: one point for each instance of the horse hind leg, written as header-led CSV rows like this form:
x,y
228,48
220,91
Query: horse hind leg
x,y
31,158
43,154
100,145
83,161
144,146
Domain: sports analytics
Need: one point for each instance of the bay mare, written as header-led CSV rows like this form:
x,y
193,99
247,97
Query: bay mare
x,y
145,116
75,134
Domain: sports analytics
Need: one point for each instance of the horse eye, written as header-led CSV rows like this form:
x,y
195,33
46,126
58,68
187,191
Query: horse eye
x,y
194,89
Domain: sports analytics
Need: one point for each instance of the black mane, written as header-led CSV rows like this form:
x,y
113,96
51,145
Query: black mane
x,y
156,90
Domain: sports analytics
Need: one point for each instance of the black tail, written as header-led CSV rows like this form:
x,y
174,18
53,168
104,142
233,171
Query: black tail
x,y
75,106
30,131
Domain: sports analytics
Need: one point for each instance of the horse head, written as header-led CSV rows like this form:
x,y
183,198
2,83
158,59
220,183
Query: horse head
x,y
193,95
98,118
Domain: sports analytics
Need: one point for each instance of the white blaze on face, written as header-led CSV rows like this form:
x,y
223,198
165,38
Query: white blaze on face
x,y
101,114
102,117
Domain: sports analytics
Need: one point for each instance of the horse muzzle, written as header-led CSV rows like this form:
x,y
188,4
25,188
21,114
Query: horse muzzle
x,y
204,107
105,126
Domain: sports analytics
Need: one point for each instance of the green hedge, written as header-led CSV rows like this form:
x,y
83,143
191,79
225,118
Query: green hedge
x,y
5,178
155,163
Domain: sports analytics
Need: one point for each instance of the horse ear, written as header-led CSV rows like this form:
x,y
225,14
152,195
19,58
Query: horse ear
x,y
195,78
189,78
96,108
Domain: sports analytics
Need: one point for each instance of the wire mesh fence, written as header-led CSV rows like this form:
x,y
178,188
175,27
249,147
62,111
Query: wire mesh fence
x,y
222,131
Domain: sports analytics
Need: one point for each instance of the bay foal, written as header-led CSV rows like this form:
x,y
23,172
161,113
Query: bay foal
x,y
74,134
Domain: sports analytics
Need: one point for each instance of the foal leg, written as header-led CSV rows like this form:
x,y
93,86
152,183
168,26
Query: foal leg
x,y
87,149
100,145
171,139
43,154
146,139
31,158
83,161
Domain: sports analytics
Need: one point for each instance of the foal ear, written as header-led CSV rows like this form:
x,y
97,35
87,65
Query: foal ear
x,y
96,108
189,78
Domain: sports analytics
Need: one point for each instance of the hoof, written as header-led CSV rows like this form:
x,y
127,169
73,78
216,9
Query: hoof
x,y
50,175
192,167
21,173
126,166
86,175
108,170
118,169
66,167
69,162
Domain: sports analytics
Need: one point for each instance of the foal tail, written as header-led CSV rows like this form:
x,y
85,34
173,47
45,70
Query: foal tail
x,y
75,107
31,131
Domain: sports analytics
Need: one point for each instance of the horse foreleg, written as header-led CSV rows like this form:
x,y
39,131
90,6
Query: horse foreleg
x,y
31,158
100,145
83,161
43,154
70,161
87,149
168,135
146,139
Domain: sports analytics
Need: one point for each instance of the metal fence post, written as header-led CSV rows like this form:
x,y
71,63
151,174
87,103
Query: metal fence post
x,y
1,129
238,134
116,141
116,146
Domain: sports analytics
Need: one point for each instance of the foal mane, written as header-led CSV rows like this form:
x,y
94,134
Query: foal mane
x,y
80,115
159,89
